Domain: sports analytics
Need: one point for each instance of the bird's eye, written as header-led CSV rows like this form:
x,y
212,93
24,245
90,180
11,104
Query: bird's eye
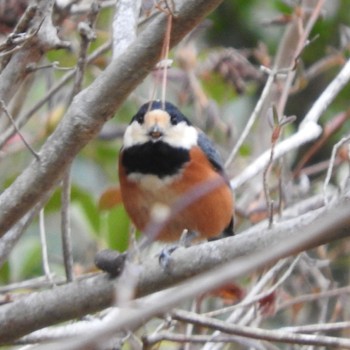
x,y
140,118
173,119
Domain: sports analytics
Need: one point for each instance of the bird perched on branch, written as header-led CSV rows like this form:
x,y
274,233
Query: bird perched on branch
x,y
166,163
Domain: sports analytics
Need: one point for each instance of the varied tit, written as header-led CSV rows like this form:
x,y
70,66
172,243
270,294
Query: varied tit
x,y
163,158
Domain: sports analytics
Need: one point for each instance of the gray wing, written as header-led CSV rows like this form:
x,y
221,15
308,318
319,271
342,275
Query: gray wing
x,y
212,154
215,159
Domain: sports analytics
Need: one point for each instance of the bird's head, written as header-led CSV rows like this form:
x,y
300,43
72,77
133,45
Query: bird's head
x,y
157,121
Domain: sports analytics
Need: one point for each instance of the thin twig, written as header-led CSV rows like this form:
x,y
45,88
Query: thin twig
x,y
240,313
314,297
66,228
319,327
188,339
278,124
32,284
54,65
261,334
335,149
87,35
252,299
328,95
8,114
329,129
44,254
254,116
269,202
300,47
190,327
40,282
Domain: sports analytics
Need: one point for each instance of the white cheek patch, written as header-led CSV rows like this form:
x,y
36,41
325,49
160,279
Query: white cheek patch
x,y
134,134
181,135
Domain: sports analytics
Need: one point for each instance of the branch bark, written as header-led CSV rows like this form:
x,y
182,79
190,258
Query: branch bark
x,y
224,260
93,107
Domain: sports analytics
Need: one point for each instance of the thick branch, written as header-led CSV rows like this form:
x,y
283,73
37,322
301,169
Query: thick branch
x,y
251,250
92,108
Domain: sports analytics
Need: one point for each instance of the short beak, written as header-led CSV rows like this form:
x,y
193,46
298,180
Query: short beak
x,y
155,132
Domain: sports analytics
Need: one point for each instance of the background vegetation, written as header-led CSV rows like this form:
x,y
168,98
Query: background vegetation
x,y
218,77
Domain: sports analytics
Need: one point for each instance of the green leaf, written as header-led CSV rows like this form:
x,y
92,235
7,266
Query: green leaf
x,y
245,150
88,205
117,228
5,273
84,199
26,259
217,88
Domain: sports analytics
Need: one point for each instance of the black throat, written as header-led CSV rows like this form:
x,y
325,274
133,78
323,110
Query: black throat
x,y
154,158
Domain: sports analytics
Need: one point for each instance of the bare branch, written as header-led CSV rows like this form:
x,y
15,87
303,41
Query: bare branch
x,y
262,334
256,248
66,228
181,338
125,25
335,150
87,34
13,122
43,241
315,296
323,327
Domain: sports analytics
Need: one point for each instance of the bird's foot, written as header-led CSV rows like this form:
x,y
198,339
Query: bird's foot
x,y
165,259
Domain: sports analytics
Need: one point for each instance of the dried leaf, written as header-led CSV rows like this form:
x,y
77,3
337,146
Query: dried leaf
x,y
230,293
110,198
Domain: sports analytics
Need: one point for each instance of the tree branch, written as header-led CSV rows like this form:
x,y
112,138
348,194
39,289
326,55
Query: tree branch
x,y
224,259
262,334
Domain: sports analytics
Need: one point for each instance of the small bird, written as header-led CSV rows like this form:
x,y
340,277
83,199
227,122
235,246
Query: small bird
x,y
164,158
